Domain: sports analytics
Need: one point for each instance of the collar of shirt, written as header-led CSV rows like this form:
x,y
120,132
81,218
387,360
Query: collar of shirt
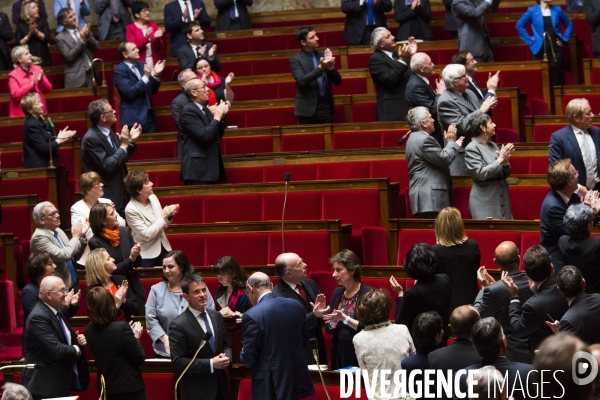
x,y
261,296
196,312
71,31
562,196
424,79
200,106
55,311
292,285
577,131
130,65
105,131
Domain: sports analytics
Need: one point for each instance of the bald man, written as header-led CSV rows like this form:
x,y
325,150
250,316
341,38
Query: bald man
x,y
493,300
274,337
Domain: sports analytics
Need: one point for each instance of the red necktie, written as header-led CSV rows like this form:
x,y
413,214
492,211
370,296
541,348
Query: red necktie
x,y
301,291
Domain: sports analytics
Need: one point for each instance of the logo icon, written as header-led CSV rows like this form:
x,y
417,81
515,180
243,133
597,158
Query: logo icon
x,y
584,368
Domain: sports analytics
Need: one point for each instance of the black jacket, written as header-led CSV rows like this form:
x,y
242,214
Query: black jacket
x,y
390,77
356,18
584,254
413,22
132,306
223,19
6,35
36,148
582,319
186,57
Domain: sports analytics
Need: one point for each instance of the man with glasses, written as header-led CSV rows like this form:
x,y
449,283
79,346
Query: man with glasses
x,y
106,152
49,237
53,346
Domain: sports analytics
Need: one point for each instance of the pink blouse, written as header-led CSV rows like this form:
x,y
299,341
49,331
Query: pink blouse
x,y
19,84
136,35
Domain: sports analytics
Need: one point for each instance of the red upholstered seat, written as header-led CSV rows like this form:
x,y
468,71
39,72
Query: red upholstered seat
x,y
246,145
526,201
356,140
275,116
374,246
247,248
302,142
7,306
390,138
538,165
313,247
242,68
265,67
245,175
357,207
537,107
489,240
409,237
299,206
325,281
232,208
519,165
396,170
191,208
12,159
165,123
346,170
461,200
543,132
351,86
506,135
13,187
298,172
154,150
364,112
191,245
265,91
16,219
528,239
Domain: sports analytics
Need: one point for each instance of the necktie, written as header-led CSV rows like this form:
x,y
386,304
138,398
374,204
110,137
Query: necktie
x,y
185,4
68,337
85,54
70,263
476,87
114,9
319,79
110,140
588,160
198,51
212,338
301,291
232,11
466,97
136,71
370,15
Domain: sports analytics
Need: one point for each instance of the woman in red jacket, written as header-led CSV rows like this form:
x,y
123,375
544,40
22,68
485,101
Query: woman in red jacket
x,y
146,35
25,78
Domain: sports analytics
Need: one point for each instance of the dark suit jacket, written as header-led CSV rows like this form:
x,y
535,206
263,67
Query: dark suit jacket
x,y
35,144
418,93
505,366
584,254
274,335
528,319
563,144
460,354
185,335
136,96
413,22
472,31
102,8
6,35
390,77
450,23
356,18
552,225
118,355
582,319
173,18
99,156
200,136
282,289
176,107
592,14
493,301
73,55
45,343
419,361
37,47
132,305
186,57
223,19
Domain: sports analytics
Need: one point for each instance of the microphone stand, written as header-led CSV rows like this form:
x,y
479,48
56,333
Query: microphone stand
x,y
12,366
94,83
51,165
103,388
205,339
286,179
315,351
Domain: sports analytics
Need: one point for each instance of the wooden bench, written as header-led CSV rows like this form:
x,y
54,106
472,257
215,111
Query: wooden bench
x,y
564,94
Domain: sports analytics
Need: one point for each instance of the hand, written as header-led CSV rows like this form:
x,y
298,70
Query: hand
x,y
396,287
84,31
335,317
559,42
320,306
120,295
69,296
170,211
74,298
505,153
406,51
226,312
229,78
148,32
32,29
212,52
64,135
510,285
554,326
159,67
160,32
85,225
450,134
135,251
202,50
220,362
440,86
488,104
165,340
148,69
492,83
221,110
77,230
484,278
197,12
41,75
592,200
415,4
137,329
134,133
81,339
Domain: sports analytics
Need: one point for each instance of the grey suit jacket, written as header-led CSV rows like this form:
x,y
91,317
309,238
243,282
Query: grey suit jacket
x,y
472,31
44,240
73,55
430,187
102,8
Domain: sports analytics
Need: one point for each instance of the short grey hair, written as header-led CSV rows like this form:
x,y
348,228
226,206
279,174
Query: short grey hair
x,y
376,36
14,391
96,109
16,53
575,108
416,60
490,383
259,281
415,116
476,121
181,77
451,72
191,85
577,218
38,210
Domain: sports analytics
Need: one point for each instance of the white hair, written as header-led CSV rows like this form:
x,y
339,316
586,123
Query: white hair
x,y
416,60
376,36
451,72
415,116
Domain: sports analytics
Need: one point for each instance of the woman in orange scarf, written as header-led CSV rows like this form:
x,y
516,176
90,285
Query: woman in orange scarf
x,y
218,87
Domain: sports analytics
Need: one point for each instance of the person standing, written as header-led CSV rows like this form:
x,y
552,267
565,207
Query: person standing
x,y
81,8
6,35
113,17
472,31
233,15
362,17
177,13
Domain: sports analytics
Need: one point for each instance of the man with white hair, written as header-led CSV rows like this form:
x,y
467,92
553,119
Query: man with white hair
x,y
14,391
456,106
430,187
390,71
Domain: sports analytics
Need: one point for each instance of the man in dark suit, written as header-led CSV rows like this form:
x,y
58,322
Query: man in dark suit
x,y
233,15
579,141
493,300
178,102
314,72
50,341
294,285
206,374
201,131
112,21
472,31
177,13
362,17
137,82
390,71
274,338
450,23
196,47
76,48
107,153
420,93
528,319
6,35
490,343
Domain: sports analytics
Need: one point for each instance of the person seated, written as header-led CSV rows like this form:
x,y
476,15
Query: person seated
x,y
17,9
38,134
414,18
230,298
33,31
81,10
196,47
6,35
146,35
25,78
219,88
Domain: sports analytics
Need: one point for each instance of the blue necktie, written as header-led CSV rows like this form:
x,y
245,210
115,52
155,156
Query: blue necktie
x,y
212,338
70,263
64,329
370,15
319,79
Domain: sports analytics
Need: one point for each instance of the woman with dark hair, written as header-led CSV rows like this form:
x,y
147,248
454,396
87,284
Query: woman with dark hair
x,y
381,345
34,32
219,88
431,292
145,34
165,301
119,244
341,323
24,79
116,348
231,299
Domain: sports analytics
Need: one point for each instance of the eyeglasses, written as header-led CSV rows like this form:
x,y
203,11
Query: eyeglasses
x,y
52,214
61,291
464,76
112,110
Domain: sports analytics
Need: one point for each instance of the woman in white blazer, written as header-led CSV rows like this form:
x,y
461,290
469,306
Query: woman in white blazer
x,y
147,219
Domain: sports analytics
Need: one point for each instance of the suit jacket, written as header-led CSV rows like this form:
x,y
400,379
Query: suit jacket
x,y
390,77
73,55
185,335
200,136
81,10
493,301
472,31
37,47
186,57
592,14
307,85
157,45
274,334
450,23
176,107
224,21
356,18
19,84
44,240
563,144
102,8
98,155
118,355
45,343
460,354
148,226
6,35
173,19
552,225
581,319
584,254
534,16
136,95
430,186
36,137
528,319
282,289
418,93
413,22
132,305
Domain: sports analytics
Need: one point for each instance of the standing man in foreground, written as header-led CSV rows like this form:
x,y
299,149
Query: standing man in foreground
x,y
274,336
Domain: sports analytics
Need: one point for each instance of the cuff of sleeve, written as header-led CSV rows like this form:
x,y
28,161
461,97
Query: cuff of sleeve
x,y
492,92
212,371
515,301
145,79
